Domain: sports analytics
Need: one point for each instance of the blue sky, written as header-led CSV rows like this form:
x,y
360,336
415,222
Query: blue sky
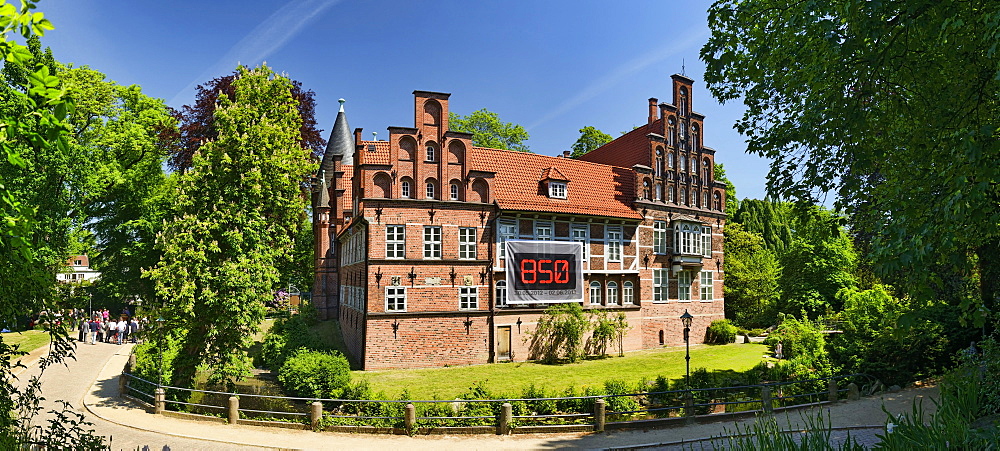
x,y
551,66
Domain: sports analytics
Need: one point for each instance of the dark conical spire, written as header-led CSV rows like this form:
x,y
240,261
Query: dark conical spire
x,y
341,144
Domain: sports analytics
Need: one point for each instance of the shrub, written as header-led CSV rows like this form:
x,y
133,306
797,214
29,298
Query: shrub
x,y
273,351
315,374
721,332
621,403
559,333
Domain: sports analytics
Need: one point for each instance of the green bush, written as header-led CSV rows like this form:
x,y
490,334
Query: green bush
x,y
273,351
621,403
315,374
287,336
721,332
559,333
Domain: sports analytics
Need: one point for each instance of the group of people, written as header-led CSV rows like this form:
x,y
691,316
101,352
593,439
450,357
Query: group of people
x,y
100,327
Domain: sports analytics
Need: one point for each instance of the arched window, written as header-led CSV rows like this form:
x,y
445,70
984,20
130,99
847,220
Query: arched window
x,y
684,164
706,166
682,105
646,190
659,192
704,200
661,337
501,293
672,132
684,196
595,292
431,156
670,160
659,162
628,294
694,198
431,189
612,293
684,135
404,189
718,201
694,165
672,194
695,137
454,191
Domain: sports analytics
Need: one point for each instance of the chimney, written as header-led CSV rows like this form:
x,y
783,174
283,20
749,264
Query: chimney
x,y
565,154
652,110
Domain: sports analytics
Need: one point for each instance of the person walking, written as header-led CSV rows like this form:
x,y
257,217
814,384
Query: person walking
x,y
133,327
122,330
94,327
84,328
112,331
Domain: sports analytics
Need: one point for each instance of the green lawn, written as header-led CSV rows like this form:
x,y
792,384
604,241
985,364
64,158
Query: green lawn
x,y
28,340
448,383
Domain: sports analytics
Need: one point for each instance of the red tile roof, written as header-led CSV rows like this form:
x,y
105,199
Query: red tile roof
x,y
553,173
379,156
592,189
627,150
71,261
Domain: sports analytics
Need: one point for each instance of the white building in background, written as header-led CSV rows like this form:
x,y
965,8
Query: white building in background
x,y
78,270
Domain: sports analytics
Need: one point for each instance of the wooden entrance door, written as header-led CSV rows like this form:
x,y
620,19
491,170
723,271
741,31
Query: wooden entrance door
x,y
503,342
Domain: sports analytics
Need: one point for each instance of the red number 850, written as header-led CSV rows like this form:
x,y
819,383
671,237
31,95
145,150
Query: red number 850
x,y
557,271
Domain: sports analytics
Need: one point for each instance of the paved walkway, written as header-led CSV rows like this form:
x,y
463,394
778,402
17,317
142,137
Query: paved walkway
x,y
137,427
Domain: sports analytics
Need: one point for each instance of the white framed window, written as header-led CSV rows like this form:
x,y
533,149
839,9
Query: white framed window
x,y
683,163
432,242
670,160
395,299
614,244
404,189
694,165
501,293
431,191
628,293
704,200
659,162
612,293
658,193
660,237
506,230
684,196
672,194
468,298
543,231
707,286
684,285
557,190
688,239
595,293
431,154
454,191
467,243
580,235
706,241
395,241
661,282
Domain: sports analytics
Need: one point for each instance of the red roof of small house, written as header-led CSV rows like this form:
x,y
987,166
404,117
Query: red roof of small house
x,y
84,260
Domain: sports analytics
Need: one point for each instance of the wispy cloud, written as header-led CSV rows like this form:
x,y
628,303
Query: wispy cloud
x,y
694,37
266,38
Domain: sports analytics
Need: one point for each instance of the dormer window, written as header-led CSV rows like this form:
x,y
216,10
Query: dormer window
x,y
557,190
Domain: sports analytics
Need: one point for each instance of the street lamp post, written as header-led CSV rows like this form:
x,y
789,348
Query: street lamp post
x,y
686,321
159,349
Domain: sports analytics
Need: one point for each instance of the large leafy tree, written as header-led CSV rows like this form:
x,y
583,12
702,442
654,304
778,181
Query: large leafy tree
x,y
489,131
197,122
771,220
590,139
238,210
33,148
892,105
122,196
752,273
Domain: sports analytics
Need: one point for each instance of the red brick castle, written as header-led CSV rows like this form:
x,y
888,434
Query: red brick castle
x,y
410,231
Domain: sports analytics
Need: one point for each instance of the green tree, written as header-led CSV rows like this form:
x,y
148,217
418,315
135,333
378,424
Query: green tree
x,y
590,139
892,106
489,131
770,220
732,202
559,333
238,211
751,283
812,272
33,132
118,160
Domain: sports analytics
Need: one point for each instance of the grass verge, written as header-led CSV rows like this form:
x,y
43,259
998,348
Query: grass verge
x,y
448,383
28,340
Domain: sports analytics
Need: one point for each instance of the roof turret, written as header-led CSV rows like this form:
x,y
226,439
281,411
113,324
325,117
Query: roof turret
x,y
340,144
